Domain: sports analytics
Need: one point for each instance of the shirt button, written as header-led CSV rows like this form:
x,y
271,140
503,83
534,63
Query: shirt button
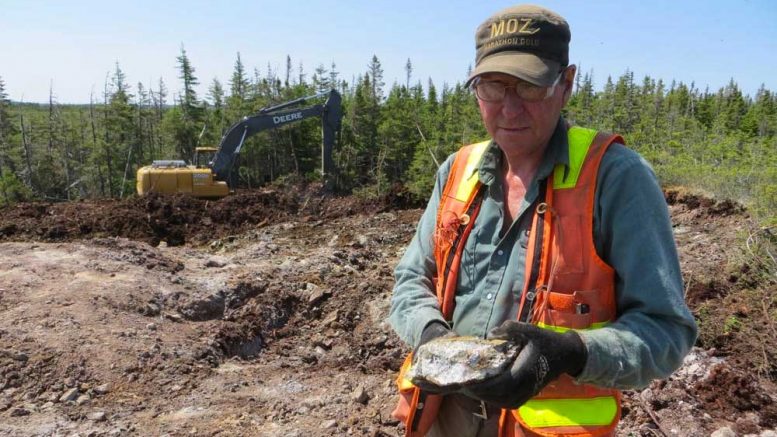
x,y
500,252
489,296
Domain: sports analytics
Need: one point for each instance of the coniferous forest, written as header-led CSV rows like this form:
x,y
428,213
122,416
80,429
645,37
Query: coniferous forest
x,y
720,142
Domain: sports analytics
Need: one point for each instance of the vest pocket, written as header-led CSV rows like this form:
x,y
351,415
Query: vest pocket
x,y
562,311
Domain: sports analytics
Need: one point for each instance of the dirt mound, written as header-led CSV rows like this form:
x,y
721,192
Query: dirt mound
x,y
706,206
732,392
730,278
153,218
180,219
705,231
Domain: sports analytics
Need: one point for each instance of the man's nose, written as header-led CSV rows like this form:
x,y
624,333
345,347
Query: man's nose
x,y
512,105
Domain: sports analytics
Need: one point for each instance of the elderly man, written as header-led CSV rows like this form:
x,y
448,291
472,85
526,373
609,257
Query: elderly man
x,y
554,237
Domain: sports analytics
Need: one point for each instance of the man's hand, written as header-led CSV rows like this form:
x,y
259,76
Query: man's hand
x,y
545,356
431,331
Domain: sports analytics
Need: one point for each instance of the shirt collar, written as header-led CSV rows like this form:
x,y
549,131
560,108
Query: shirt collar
x,y
557,152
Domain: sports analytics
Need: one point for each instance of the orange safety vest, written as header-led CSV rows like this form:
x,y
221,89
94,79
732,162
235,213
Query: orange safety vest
x,y
567,286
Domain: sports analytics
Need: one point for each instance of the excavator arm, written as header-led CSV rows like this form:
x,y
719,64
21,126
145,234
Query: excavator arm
x,y
276,116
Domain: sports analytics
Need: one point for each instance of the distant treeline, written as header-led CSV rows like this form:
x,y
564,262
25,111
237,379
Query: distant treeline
x,y
721,142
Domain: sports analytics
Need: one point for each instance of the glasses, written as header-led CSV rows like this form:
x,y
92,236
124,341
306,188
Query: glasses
x,y
494,92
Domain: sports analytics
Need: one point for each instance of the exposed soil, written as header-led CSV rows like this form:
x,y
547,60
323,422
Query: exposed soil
x,y
264,314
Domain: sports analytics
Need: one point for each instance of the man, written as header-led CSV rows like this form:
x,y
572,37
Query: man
x,y
554,237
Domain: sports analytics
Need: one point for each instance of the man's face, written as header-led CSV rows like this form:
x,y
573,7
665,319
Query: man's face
x,y
519,126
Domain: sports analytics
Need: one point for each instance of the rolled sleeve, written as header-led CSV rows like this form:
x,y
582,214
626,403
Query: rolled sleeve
x,y
654,328
414,303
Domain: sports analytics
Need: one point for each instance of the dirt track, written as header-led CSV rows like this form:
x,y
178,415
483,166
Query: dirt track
x,y
264,314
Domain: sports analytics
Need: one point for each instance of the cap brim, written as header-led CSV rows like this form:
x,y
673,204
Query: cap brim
x,y
526,66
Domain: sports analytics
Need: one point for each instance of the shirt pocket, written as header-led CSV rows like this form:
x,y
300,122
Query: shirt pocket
x,y
467,268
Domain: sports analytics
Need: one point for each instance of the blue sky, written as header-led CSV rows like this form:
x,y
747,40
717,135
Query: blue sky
x,y
73,45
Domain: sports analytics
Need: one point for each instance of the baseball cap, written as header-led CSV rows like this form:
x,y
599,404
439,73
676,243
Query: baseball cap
x,y
525,41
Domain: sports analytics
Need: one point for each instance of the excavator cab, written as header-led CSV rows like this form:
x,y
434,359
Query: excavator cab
x,y
203,156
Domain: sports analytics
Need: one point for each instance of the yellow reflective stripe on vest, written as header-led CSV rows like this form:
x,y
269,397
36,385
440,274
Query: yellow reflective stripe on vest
x,y
471,178
580,140
562,329
405,384
569,412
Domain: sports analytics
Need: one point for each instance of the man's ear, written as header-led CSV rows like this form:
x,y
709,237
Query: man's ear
x,y
569,82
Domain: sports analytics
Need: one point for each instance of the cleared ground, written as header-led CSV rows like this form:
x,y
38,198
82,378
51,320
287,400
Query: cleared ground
x,y
264,314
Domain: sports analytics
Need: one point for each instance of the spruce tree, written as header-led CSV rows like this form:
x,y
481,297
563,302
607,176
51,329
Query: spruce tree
x,y
192,115
321,79
334,77
186,71
8,131
120,138
217,123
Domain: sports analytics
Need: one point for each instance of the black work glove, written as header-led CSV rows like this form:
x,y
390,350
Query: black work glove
x,y
431,331
544,357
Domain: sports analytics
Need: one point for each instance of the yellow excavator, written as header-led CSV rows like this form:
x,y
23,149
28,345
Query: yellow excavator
x,y
210,174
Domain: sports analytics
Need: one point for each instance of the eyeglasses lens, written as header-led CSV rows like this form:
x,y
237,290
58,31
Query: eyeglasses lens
x,y
490,91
